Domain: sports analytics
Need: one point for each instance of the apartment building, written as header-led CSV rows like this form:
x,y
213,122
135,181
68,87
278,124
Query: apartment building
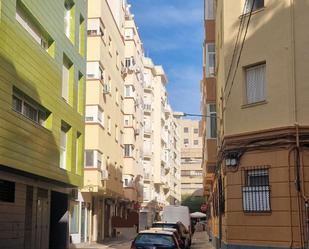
x,y
259,195
161,146
133,111
104,149
191,158
42,82
208,106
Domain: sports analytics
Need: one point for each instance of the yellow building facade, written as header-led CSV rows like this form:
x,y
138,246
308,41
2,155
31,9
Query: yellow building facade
x,y
259,194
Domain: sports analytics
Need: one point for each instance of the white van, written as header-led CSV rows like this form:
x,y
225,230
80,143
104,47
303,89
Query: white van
x,y
177,213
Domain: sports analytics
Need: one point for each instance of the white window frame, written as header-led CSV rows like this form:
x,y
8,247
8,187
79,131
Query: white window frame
x,y
68,19
209,10
63,146
94,114
210,69
128,150
210,120
97,158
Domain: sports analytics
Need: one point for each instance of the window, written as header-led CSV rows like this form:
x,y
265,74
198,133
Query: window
x,y
117,96
64,145
129,91
74,217
66,78
256,190
127,120
129,33
110,46
7,191
195,142
129,62
258,4
29,108
93,158
186,130
95,70
209,10
77,151
30,24
94,114
117,60
210,59
195,131
255,83
81,39
95,27
211,121
128,150
80,93
69,19
116,133
109,125
186,141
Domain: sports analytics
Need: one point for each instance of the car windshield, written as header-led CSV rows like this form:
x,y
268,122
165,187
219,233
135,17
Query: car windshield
x,y
155,239
166,225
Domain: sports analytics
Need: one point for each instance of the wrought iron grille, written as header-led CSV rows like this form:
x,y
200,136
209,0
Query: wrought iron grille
x,y
256,190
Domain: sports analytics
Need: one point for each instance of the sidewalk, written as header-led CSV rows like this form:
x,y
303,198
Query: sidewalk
x,y
110,243
200,241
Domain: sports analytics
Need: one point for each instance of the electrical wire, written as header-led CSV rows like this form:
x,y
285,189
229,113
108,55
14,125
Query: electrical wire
x,y
240,52
240,29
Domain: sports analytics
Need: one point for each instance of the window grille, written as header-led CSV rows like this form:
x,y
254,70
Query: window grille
x,y
256,190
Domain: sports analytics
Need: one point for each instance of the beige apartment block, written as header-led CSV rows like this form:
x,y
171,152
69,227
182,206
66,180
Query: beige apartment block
x,y
191,157
161,146
104,163
259,197
133,111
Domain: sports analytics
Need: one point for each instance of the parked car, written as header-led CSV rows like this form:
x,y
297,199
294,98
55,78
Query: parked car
x,y
175,213
155,239
182,230
181,242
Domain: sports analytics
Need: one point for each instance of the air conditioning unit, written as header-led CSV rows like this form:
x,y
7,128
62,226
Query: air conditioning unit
x,y
74,194
104,175
106,89
211,71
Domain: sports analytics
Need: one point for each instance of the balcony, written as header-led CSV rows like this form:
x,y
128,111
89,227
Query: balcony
x,y
148,87
211,151
148,129
147,149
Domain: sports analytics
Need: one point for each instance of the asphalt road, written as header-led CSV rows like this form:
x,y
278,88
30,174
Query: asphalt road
x,y
200,241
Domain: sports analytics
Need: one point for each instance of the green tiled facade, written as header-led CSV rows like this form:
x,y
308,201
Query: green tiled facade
x,y
26,67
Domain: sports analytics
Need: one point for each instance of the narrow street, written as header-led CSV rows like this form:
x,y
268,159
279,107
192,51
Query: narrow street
x,y
200,241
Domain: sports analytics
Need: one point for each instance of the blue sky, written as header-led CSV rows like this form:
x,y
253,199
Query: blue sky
x,y
172,33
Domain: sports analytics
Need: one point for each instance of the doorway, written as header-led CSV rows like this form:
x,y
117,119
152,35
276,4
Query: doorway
x,y
58,235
